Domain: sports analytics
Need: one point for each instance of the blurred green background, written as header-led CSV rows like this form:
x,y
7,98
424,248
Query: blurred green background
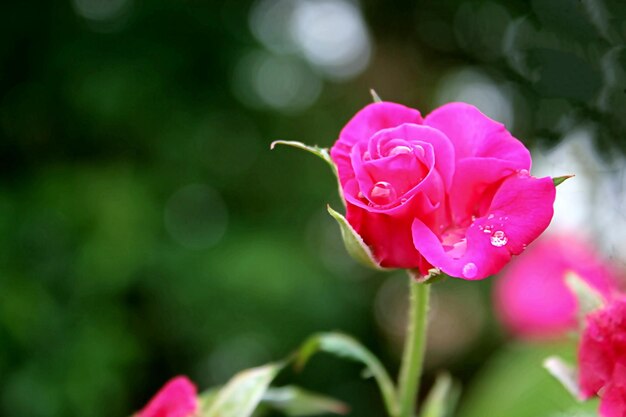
x,y
146,230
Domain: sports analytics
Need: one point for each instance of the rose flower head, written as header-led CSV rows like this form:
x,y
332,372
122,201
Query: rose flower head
x,y
602,358
532,298
450,191
177,398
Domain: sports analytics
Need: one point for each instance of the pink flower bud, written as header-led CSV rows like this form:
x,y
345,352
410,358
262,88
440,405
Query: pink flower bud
x,y
177,398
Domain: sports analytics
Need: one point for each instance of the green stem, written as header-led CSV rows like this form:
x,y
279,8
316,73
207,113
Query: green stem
x,y
414,347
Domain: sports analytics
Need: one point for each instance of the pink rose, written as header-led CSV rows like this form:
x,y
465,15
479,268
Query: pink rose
x,y
450,191
532,298
177,398
602,358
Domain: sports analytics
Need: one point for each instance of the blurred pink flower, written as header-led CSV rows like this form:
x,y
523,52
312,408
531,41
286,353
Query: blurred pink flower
x,y
177,398
452,190
531,296
602,358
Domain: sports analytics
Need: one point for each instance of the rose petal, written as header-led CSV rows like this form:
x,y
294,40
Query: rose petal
x,y
363,126
613,401
438,150
473,183
403,171
475,135
521,209
389,236
177,398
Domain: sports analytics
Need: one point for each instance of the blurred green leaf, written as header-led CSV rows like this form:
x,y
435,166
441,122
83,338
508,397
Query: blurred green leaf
x,y
347,347
514,384
241,395
295,401
354,243
442,398
565,373
290,400
207,398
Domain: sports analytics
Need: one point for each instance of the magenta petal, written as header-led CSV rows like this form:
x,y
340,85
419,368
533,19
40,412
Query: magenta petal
x,y
521,209
475,135
474,180
363,126
613,401
178,398
531,296
527,206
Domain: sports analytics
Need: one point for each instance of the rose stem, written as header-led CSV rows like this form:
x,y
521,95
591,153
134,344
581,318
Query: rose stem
x,y
414,347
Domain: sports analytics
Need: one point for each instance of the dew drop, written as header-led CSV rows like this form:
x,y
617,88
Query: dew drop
x,y
491,216
470,270
382,193
487,229
499,239
400,150
366,156
523,173
404,200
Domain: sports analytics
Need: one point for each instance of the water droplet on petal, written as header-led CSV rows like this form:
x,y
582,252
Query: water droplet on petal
x,y
404,200
470,270
400,150
523,173
487,229
491,216
382,193
366,156
499,239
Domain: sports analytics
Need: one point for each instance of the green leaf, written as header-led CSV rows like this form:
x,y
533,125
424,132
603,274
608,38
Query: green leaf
x,y
514,384
207,398
241,395
315,150
354,243
565,373
559,180
347,347
295,401
375,97
442,398
434,275
588,298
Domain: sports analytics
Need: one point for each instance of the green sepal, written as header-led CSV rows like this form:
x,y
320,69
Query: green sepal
x,y
315,150
442,398
560,180
434,275
344,346
565,373
295,401
354,243
375,97
242,394
588,298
